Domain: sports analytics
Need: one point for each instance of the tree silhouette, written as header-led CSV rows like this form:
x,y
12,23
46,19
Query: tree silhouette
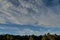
x,y
31,38
47,36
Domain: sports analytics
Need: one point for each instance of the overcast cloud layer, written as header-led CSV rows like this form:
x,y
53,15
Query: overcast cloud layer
x,y
32,12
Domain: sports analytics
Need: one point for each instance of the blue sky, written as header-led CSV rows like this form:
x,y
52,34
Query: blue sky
x,y
26,17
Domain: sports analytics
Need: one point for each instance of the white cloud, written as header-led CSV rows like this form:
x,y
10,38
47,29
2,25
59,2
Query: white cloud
x,y
9,28
28,32
34,13
23,30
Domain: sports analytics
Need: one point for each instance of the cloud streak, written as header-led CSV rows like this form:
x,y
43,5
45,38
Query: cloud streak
x,y
33,12
27,29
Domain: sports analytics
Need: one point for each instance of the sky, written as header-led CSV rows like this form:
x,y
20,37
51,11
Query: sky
x,y
26,17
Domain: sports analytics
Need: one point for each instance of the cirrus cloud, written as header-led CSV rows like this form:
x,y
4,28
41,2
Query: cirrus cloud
x,y
33,12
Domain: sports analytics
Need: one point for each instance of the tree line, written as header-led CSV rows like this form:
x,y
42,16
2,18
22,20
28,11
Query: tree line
x,y
47,36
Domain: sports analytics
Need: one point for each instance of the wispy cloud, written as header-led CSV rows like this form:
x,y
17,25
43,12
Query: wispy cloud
x,y
27,29
33,12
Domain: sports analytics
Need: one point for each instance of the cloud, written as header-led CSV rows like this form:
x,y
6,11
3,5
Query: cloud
x,y
17,30
27,29
28,32
30,12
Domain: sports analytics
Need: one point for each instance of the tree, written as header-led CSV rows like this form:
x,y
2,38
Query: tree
x,y
44,37
9,37
31,38
49,37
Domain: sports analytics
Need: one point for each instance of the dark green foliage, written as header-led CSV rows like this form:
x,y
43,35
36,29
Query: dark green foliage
x,y
47,36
